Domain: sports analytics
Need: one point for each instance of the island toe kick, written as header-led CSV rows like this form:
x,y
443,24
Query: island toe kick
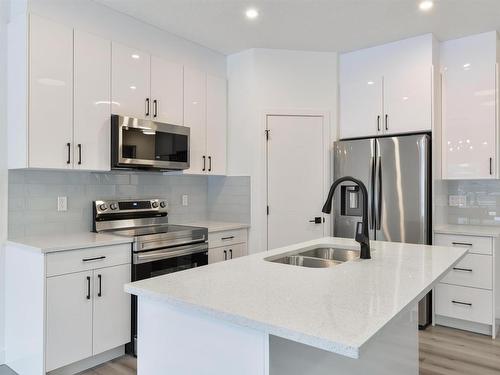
x,y
185,341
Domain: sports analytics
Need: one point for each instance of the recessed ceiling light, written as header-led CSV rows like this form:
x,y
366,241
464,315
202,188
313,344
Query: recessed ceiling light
x,y
426,5
252,13
135,56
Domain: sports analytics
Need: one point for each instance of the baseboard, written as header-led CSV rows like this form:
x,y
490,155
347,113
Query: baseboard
x,y
88,363
485,329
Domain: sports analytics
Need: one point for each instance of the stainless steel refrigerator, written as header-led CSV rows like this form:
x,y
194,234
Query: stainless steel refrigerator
x,y
397,173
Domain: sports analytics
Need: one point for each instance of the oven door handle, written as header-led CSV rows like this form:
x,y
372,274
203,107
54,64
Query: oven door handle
x,y
154,255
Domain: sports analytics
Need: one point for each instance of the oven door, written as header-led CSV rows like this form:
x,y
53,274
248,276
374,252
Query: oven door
x,y
148,144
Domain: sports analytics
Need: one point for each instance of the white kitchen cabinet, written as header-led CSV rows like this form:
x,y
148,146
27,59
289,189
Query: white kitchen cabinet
x,y
111,314
130,81
216,148
469,114
205,113
50,94
388,89
92,108
167,91
227,245
69,319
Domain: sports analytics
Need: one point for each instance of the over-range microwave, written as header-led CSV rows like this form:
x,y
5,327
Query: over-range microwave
x,y
146,144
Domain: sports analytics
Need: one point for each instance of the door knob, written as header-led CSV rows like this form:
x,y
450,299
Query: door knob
x,y
317,220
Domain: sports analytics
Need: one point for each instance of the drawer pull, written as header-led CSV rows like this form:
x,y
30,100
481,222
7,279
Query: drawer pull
x,y
461,244
227,238
462,303
462,269
92,259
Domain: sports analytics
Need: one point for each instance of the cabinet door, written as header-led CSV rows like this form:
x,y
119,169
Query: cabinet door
x,y
408,86
238,250
69,319
217,254
130,82
216,125
51,94
111,308
167,87
469,107
92,114
195,118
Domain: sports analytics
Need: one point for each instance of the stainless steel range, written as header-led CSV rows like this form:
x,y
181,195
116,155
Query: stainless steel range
x,y
158,248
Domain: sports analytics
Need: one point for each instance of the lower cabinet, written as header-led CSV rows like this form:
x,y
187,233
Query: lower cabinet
x,y
227,245
87,313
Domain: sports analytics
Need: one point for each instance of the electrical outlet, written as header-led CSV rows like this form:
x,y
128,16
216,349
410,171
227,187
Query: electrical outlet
x,y
457,201
184,200
62,203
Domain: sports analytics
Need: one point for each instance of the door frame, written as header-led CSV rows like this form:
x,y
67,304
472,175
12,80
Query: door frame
x,y
327,161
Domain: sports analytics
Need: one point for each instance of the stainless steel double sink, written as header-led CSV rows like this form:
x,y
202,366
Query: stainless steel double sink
x,y
320,257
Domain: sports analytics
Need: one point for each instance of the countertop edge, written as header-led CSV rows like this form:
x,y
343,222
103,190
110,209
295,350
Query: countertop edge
x,y
70,247
467,230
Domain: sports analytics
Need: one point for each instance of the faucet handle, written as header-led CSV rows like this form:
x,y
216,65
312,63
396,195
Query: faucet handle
x,y
359,237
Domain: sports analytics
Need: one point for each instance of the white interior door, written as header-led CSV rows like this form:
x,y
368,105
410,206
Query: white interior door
x,y
295,179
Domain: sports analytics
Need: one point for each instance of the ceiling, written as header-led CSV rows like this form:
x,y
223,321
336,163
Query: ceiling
x,y
318,25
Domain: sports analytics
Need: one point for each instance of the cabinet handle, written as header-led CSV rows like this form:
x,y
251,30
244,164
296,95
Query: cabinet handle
x,y
225,254
99,278
378,123
155,108
91,259
88,287
461,244
204,163
227,238
231,253
147,107
68,145
210,164
491,166
462,269
461,303
386,122
79,153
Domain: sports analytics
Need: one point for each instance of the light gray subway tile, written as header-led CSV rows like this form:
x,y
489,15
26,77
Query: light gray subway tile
x,y
16,177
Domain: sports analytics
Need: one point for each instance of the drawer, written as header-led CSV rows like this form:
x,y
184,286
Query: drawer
x,y
87,259
475,244
474,270
228,237
475,305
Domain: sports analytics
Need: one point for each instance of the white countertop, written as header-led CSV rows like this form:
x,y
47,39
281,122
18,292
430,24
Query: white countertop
x,y
471,230
336,309
218,226
67,241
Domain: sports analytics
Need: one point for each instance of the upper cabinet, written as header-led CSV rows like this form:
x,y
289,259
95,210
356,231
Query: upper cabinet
x,y
387,89
205,112
469,114
146,86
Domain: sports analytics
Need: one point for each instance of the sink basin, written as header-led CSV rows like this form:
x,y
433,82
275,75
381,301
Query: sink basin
x,y
321,257
330,253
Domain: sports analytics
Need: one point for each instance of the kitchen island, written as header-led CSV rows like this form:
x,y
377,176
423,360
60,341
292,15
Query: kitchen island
x,y
253,316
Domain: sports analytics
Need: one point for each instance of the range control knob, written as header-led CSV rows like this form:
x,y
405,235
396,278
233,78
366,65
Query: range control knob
x,y
103,207
154,204
113,206
163,204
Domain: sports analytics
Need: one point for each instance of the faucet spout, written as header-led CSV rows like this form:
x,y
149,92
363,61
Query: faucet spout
x,y
362,236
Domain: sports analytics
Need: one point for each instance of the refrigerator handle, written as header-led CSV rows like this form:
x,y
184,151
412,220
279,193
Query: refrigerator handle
x,y
378,192
371,207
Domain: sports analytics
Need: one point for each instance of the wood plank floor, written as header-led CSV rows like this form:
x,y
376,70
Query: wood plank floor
x,y
443,351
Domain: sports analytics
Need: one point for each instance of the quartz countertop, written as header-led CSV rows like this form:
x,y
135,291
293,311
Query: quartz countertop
x,y
67,241
218,226
337,309
471,230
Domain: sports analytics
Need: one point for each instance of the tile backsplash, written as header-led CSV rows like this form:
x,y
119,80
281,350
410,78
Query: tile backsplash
x,y
33,197
476,202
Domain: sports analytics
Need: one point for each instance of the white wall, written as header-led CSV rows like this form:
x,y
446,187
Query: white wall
x,y
4,12
261,80
98,19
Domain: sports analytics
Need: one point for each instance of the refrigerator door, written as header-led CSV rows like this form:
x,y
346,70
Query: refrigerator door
x,y
354,158
402,189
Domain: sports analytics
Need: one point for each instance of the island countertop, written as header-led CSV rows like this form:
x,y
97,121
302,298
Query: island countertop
x,y
337,309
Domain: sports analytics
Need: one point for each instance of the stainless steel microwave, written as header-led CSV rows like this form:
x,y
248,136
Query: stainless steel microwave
x,y
146,144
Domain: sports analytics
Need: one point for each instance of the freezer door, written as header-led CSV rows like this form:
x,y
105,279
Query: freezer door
x,y
402,189
354,158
